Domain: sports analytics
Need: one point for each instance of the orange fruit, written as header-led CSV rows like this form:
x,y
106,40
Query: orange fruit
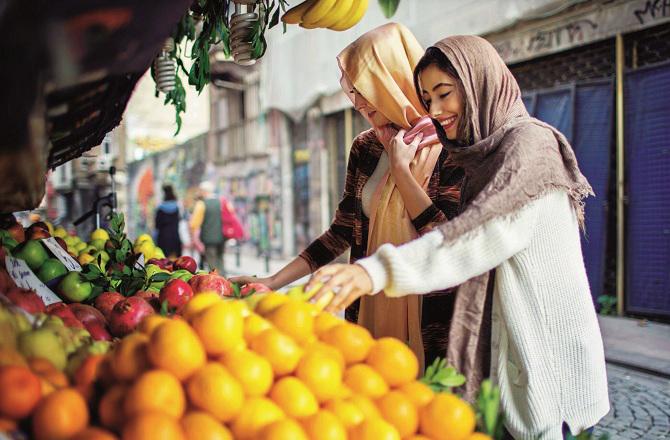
x,y
347,412
87,374
447,417
294,397
110,408
129,358
295,319
363,379
151,322
321,373
220,327
418,392
48,371
7,425
366,405
21,391
417,437
213,389
279,349
198,303
60,415
175,347
324,425
374,428
285,429
329,350
253,325
397,409
479,436
92,433
252,371
9,356
269,302
352,340
152,425
256,413
394,360
155,390
324,321
198,425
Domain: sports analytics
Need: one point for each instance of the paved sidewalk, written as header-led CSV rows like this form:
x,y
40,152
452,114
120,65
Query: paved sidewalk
x,y
636,343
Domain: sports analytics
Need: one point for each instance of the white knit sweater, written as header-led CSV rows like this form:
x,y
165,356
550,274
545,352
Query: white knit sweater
x,y
547,351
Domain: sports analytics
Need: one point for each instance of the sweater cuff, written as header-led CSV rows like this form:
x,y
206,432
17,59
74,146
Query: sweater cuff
x,y
376,270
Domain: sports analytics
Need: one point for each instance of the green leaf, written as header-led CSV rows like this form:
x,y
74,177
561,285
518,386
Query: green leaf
x,y
389,7
164,308
159,277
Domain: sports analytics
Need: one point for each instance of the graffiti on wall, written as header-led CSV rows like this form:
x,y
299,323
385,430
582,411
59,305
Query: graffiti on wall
x,y
598,21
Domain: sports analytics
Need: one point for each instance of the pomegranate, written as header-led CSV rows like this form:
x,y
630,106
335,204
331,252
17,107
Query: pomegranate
x,y
211,282
151,297
106,301
250,288
28,300
177,293
128,314
186,263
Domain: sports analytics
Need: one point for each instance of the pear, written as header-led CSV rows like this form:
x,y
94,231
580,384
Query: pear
x,y
43,343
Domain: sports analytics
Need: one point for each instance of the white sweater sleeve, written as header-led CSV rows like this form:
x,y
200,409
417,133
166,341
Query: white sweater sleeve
x,y
426,264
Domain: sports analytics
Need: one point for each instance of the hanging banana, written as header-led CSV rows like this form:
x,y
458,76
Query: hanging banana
x,y
337,15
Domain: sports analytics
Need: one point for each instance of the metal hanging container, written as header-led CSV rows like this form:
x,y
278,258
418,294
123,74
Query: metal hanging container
x,y
165,68
242,24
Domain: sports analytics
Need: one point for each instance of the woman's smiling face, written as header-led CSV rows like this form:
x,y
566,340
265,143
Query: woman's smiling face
x,y
442,97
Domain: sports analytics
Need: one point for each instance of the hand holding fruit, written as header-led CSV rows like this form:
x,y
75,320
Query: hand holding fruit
x,y
348,281
249,279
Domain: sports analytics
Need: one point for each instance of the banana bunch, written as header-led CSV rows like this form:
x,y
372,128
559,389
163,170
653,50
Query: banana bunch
x,y
337,15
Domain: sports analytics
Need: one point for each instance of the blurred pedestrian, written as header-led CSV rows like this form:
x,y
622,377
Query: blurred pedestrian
x,y
167,223
207,228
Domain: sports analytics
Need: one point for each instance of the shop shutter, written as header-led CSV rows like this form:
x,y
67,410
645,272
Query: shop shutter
x,y
647,135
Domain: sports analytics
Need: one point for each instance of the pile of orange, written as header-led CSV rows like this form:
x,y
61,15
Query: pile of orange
x,y
277,369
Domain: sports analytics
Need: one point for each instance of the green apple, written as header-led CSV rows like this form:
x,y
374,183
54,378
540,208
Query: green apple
x,y
50,269
32,252
74,287
182,274
99,244
88,250
43,343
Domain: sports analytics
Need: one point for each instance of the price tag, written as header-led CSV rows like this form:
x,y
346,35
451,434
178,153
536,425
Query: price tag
x,y
70,263
26,279
139,264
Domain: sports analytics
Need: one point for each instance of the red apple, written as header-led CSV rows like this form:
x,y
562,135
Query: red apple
x,y
250,288
62,243
211,282
86,313
28,300
177,293
163,263
61,310
106,301
17,232
6,282
37,231
186,263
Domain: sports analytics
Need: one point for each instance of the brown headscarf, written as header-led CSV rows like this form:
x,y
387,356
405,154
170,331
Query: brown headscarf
x,y
514,160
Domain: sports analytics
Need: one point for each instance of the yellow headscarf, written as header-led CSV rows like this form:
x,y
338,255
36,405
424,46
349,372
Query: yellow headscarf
x,y
380,66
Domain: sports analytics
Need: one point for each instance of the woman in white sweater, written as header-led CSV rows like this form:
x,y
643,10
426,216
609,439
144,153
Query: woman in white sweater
x,y
523,313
